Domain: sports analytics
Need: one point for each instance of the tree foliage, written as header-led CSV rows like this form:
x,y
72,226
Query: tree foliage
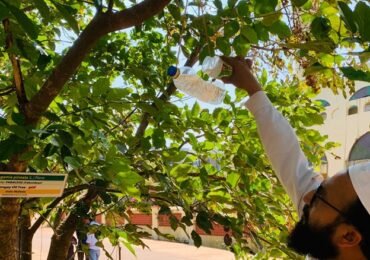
x,y
84,91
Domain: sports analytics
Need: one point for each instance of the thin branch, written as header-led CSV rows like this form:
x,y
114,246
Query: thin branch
x,y
17,73
67,192
265,48
123,121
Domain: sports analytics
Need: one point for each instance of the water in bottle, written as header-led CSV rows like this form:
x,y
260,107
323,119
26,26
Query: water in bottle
x,y
187,80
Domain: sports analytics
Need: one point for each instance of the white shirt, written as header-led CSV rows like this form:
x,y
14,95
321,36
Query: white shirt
x,y
91,239
282,148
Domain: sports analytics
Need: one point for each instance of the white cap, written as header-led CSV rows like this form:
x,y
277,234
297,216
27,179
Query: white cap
x,y
360,177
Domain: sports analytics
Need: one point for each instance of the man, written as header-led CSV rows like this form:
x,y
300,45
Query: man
x,y
94,251
335,213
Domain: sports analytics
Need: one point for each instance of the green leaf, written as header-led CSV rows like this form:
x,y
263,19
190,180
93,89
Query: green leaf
x,y
196,238
72,161
281,29
265,6
67,11
175,11
218,4
271,18
43,61
362,15
10,146
28,156
180,170
249,33
354,74
158,138
26,23
241,46
243,8
233,179
299,3
320,27
262,32
164,210
347,16
223,44
43,8
66,138
203,222
101,86
4,11
231,3
326,46
231,29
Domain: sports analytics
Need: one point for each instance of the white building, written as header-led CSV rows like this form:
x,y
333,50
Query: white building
x,y
347,122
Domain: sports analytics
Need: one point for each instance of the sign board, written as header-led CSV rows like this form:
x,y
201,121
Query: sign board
x,y
16,184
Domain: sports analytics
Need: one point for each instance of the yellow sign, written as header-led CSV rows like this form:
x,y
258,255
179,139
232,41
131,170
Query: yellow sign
x,y
16,184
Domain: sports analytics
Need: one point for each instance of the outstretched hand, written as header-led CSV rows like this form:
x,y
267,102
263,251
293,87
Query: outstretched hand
x,y
242,76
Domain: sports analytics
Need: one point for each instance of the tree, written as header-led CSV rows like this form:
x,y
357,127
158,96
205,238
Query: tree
x,y
62,110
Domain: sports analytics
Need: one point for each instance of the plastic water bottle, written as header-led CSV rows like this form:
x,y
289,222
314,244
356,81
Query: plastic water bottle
x,y
187,80
215,67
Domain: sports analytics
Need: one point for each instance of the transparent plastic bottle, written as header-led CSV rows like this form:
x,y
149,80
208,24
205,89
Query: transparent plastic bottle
x,y
216,68
187,80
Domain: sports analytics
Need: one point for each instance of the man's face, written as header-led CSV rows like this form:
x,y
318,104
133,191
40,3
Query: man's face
x,y
308,240
313,234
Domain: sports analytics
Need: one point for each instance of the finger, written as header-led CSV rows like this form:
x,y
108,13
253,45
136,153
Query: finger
x,y
249,63
240,58
227,79
228,60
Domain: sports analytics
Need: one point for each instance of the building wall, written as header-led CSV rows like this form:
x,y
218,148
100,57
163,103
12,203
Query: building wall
x,y
149,221
343,128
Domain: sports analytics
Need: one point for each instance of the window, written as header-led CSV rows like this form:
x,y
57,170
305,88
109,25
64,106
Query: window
x,y
367,107
324,103
360,150
352,110
364,92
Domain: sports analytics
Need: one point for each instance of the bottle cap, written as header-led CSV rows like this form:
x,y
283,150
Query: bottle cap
x,y
172,71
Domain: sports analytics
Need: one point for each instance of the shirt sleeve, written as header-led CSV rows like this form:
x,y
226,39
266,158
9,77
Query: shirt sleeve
x,y
282,148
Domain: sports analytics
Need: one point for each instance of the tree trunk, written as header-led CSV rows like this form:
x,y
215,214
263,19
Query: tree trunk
x,y
9,212
61,240
25,237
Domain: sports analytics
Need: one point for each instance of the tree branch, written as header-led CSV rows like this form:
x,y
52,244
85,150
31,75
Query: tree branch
x,y
53,204
100,25
17,73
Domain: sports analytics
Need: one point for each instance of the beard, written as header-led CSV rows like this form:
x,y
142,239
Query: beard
x,y
315,242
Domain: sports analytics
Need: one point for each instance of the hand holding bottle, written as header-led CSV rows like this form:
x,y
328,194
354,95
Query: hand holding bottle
x,y
242,76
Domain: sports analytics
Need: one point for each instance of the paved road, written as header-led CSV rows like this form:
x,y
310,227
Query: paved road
x,y
159,250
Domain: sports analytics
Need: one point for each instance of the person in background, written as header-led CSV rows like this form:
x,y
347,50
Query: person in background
x,y
335,213
91,240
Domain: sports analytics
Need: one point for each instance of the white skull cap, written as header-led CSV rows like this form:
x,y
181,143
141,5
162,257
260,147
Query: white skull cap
x,y
360,177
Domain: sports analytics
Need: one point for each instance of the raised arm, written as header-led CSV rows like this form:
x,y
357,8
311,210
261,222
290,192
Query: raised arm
x,y
278,137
